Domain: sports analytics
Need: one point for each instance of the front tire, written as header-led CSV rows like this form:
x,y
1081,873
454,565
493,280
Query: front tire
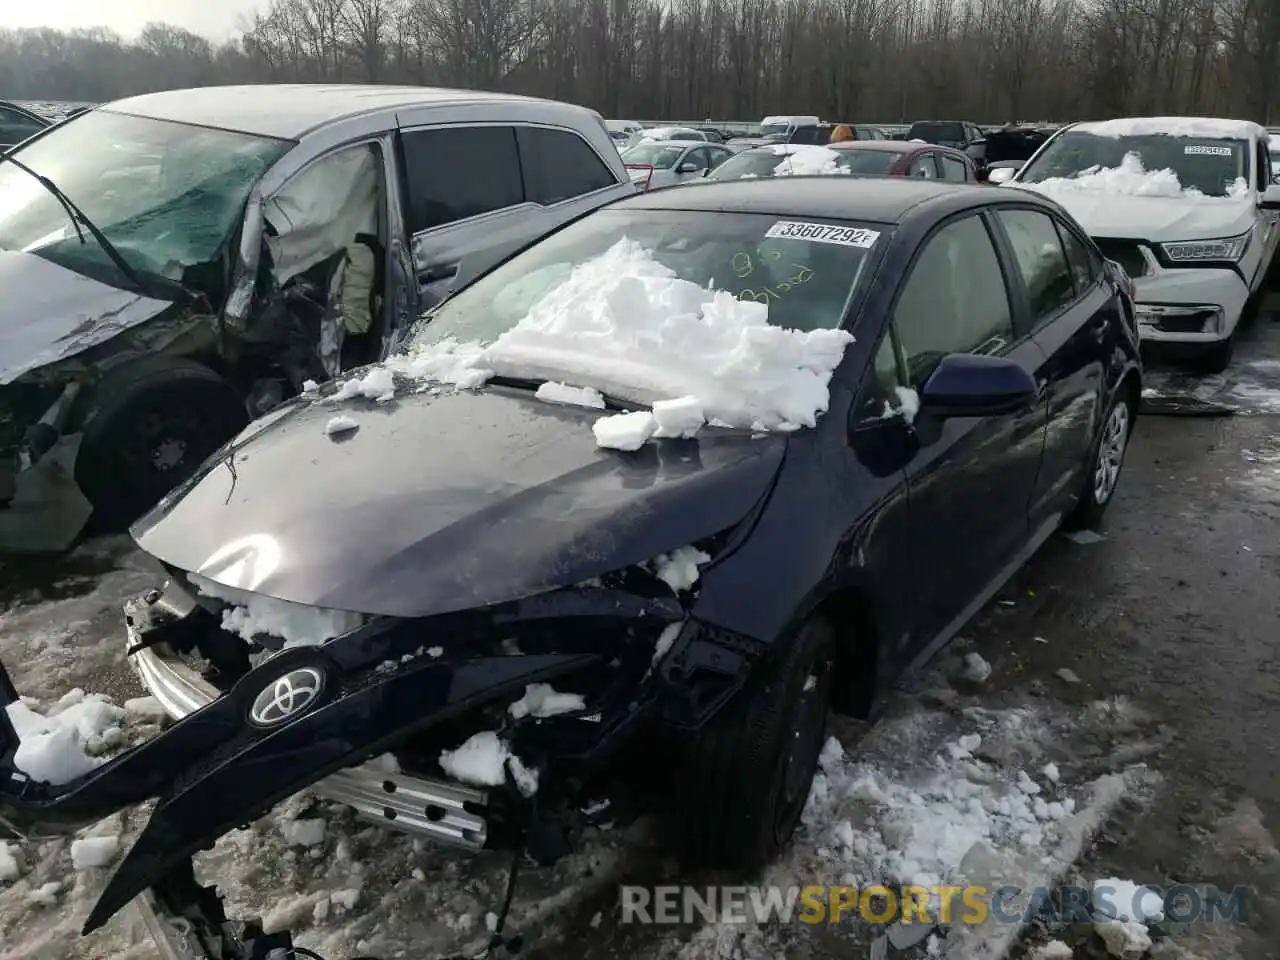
x,y
154,426
748,774
1105,463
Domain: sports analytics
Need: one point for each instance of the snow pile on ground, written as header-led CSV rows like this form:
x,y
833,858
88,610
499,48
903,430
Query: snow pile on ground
x,y
1130,179
625,324
67,742
10,862
919,828
542,700
89,853
811,162
253,615
1122,911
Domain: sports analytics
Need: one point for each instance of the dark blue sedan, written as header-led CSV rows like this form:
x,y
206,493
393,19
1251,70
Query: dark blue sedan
x,y
439,552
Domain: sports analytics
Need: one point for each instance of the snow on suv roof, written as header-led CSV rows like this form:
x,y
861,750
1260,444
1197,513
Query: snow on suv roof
x,y
290,110
1209,128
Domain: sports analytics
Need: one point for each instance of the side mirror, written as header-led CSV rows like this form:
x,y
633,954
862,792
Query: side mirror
x,y
1001,174
970,385
687,167
1271,198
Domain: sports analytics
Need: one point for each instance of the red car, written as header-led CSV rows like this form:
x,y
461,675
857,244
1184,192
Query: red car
x,y
896,158
892,158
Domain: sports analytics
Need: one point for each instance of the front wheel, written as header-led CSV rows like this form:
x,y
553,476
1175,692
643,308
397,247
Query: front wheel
x,y
748,774
1105,464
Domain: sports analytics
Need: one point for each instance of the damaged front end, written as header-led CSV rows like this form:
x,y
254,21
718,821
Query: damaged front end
x,y
259,719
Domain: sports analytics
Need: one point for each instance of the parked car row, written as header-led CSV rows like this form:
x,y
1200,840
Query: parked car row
x,y
470,322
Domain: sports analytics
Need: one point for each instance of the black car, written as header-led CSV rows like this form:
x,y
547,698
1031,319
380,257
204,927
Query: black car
x,y
959,134
18,123
462,544
1004,145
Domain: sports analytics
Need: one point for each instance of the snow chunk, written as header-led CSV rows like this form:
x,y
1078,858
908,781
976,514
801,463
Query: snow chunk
x,y
679,568
1053,950
303,833
1124,938
482,761
909,406
46,895
144,709
625,323
378,384
254,614
1204,128
665,640
340,424
1130,179
90,852
1050,771
58,748
976,669
681,417
10,862
1124,900
625,431
554,392
814,161
385,763
542,700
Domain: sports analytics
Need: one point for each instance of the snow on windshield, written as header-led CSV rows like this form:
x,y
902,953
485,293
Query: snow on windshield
x,y
1130,179
625,323
811,162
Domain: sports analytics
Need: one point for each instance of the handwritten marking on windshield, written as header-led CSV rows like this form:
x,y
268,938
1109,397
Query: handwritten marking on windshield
x,y
779,290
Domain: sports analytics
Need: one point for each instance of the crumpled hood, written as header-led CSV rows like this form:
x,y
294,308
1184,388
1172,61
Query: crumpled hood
x,y
443,503
49,313
1155,219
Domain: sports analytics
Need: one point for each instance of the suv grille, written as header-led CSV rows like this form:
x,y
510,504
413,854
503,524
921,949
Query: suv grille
x,y
1126,253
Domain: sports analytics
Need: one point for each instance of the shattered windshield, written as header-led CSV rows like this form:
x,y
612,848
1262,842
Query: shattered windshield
x,y
805,271
167,195
1209,165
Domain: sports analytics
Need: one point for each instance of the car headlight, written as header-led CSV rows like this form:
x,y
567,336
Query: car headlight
x,y
1193,251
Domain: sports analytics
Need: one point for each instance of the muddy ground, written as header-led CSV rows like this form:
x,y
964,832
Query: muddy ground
x,y
1167,627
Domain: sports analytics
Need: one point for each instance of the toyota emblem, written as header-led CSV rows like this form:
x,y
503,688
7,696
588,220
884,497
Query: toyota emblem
x,y
287,696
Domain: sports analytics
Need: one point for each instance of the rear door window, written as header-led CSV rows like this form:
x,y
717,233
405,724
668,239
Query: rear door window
x,y
559,165
1041,260
16,127
454,173
1085,265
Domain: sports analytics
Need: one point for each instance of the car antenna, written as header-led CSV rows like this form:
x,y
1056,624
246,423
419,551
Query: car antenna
x,y
77,218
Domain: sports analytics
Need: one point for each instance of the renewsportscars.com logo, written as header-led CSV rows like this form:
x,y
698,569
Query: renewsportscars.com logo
x,y
817,903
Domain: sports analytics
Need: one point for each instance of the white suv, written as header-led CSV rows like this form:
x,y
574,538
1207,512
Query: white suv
x,y
1185,204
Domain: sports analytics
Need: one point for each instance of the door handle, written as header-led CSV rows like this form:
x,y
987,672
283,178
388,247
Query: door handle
x,y
436,274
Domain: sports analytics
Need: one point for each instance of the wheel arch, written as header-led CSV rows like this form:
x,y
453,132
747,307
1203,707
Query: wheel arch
x,y
849,609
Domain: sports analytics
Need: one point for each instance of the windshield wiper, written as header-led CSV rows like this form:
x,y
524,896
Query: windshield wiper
x,y
77,218
533,383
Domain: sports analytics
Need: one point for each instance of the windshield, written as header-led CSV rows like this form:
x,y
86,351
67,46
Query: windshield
x,y
660,156
946,134
167,195
806,273
1209,165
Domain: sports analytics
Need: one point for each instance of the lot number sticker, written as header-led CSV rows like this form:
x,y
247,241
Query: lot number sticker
x,y
1205,150
822,233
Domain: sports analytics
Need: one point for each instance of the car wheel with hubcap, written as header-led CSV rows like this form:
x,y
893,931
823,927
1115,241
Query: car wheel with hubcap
x,y
1105,464
748,774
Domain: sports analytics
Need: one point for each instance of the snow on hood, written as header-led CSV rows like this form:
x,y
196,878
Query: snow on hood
x,y
1130,201
49,313
1202,127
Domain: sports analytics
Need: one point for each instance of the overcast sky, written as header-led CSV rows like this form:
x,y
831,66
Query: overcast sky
x,y
216,19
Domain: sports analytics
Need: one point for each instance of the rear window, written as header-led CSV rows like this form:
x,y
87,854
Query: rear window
x,y
937,132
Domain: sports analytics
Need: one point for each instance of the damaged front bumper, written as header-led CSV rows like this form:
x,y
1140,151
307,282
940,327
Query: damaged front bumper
x,y
235,751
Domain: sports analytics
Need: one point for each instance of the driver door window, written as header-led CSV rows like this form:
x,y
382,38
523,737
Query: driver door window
x,y
699,159
955,300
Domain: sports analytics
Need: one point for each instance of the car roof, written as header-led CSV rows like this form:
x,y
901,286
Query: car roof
x,y
681,144
288,111
885,146
876,199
